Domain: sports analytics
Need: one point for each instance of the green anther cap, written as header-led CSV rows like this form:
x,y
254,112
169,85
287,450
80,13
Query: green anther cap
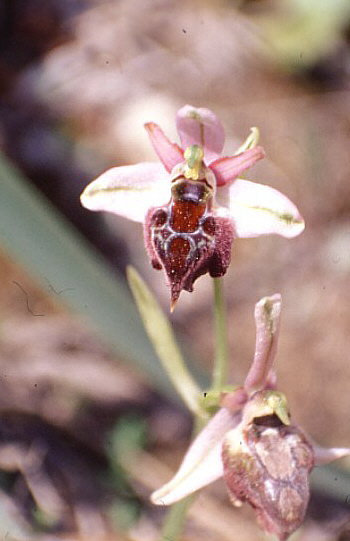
x,y
193,156
278,404
265,403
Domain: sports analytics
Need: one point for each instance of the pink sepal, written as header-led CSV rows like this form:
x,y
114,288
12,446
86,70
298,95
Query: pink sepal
x,y
267,319
200,127
170,154
228,169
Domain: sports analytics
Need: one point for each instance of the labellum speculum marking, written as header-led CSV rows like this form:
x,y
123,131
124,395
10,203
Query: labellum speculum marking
x,y
268,466
184,234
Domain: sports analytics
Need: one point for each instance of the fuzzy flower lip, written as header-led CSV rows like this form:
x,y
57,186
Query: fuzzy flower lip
x,y
253,208
226,437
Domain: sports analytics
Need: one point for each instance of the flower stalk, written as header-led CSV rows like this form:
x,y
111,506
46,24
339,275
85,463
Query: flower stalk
x,y
221,346
175,519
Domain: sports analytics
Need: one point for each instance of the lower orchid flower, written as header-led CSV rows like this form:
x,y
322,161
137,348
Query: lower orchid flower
x,y
264,458
193,205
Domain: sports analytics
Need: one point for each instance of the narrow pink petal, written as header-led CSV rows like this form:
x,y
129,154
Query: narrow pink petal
x,y
257,209
170,154
271,381
324,455
128,191
200,127
202,463
228,169
267,318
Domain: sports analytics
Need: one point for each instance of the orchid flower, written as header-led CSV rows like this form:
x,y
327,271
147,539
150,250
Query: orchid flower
x,y
192,204
264,458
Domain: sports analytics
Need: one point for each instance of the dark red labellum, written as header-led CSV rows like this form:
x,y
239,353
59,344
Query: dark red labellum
x,y
271,473
186,238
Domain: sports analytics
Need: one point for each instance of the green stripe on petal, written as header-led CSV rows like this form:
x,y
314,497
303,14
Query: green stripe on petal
x,y
257,210
129,191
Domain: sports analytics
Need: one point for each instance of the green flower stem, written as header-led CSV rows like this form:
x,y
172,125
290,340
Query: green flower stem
x,y
221,355
175,519
176,516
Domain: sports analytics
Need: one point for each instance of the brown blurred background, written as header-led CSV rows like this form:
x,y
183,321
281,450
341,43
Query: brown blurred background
x,y
78,79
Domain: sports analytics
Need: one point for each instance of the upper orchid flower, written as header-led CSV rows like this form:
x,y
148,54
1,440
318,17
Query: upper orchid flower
x,y
194,205
264,458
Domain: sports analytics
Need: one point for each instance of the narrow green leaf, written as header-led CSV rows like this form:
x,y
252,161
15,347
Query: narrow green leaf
x,y
162,337
64,265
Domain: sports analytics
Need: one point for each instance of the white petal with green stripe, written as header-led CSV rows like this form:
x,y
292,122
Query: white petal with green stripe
x,y
129,191
257,209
